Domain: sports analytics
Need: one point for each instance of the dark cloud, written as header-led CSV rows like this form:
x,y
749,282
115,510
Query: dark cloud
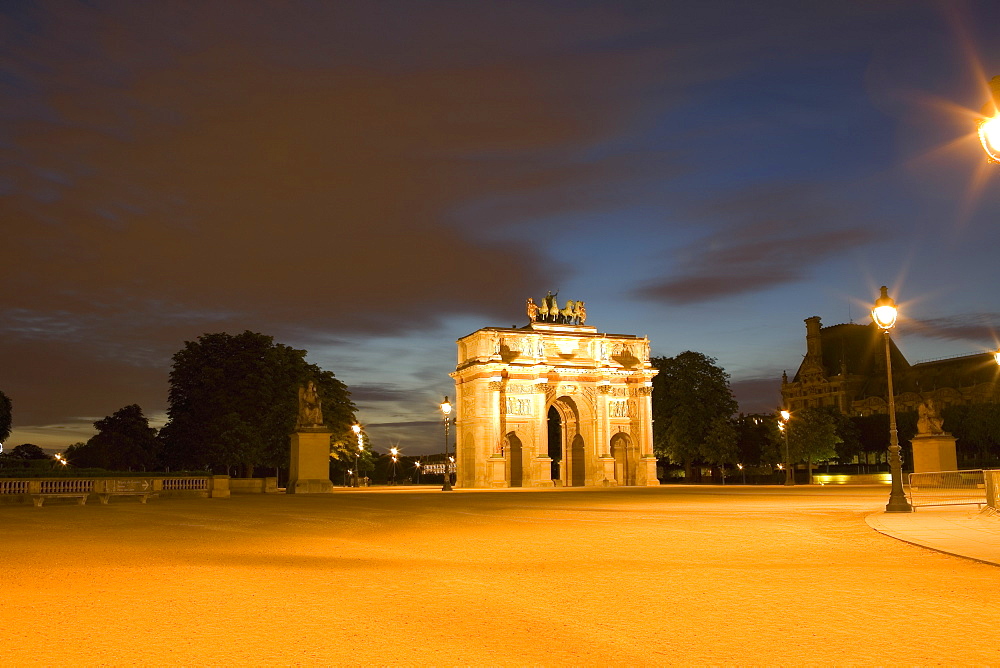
x,y
364,393
175,169
780,235
981,328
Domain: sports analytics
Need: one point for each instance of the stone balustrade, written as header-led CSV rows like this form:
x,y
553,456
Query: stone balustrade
x,y
21,491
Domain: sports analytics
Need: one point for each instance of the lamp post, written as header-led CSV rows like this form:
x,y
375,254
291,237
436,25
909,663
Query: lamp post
x,y
356,428
446,413
884,315
989,127
789,470
394,451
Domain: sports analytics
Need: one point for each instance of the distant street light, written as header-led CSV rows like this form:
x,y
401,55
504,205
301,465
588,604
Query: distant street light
x,y
989,127
446,413
416,468
789,469
884,314
356,428
394,451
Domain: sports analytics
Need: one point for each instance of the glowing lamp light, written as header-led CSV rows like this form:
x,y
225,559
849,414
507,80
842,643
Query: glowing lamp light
x,y
356,428
989,137
446,406
785,415
996,356
884,313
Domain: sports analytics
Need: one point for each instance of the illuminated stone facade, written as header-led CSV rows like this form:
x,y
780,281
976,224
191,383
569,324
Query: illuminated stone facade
x,y
553,405
844,367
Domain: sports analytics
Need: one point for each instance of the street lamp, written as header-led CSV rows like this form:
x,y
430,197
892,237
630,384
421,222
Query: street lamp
x,y
884,315
989,128
356,428
789,469
394,451
446,413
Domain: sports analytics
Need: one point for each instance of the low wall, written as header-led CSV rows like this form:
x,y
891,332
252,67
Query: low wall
x,y
20,491
253,485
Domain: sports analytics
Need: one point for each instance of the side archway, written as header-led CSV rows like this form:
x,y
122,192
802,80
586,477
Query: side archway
x,y
626,458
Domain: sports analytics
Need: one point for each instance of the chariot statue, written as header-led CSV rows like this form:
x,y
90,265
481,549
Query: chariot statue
x,y
573,313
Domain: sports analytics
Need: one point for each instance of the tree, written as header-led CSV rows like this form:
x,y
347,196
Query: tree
x,y
719,446
234,400
6,420
812,435
976,429
28,451
689,394
124,442
758,440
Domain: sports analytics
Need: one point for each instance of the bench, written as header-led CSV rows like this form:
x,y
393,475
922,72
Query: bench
x,y
106,496
39,499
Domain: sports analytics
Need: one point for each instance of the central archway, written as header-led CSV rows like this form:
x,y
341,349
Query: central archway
x,y
566,445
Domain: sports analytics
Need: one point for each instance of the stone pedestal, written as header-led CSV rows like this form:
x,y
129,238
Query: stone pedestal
x,y
606,468
541,472
646,471
309,472
934,452
497,470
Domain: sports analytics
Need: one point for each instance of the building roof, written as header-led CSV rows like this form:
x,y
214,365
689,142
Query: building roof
x,y
857,349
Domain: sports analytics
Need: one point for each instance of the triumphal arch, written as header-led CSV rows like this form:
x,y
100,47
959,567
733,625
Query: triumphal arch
x,y
553,403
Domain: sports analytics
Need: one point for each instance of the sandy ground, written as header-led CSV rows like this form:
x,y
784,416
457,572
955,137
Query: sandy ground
x,y
669,575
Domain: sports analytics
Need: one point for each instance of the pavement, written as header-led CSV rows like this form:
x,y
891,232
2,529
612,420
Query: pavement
x,y
671,575
962,531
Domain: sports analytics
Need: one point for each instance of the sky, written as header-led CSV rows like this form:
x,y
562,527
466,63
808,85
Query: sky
x,y
371,181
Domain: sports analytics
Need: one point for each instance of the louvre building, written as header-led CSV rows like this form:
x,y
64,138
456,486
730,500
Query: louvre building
x,y
844,366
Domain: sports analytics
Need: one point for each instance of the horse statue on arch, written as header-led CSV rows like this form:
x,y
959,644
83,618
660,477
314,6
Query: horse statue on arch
x,y
567,314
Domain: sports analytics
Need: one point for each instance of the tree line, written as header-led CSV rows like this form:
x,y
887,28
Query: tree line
x,y
696,423
232,402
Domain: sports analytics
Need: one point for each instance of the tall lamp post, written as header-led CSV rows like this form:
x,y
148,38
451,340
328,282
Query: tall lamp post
x,y
884,314
789,471
356,428
394,451
446,413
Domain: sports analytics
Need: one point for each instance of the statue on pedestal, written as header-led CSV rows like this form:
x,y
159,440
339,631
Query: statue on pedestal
x,y
310,407
929,421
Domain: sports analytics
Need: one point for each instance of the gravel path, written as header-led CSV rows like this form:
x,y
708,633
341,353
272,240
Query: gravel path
x,y
669,575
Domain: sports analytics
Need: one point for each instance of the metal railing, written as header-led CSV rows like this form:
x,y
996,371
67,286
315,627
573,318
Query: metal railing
x,y
948,488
